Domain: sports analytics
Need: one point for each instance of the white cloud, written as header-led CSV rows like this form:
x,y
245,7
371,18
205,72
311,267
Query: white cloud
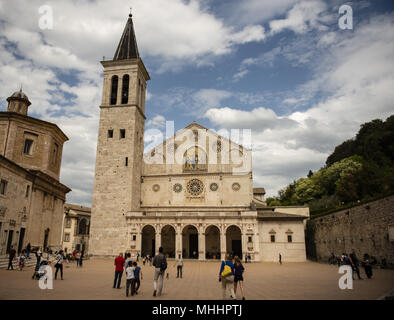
x,y
356,73
157,121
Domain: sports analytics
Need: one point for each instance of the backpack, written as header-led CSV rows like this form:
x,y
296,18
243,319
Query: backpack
x,y
163,265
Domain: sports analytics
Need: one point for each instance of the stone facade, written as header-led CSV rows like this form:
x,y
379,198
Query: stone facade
x,y
31,197
76,227
192,194
366,228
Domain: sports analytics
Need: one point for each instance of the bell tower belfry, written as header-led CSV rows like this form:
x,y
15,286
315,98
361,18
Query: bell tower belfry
x,y
120,145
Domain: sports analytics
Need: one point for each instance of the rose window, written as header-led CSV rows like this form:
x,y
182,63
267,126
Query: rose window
x,y
195,187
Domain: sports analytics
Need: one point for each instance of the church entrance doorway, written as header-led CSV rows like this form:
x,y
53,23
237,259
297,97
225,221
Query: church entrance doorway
x,y
168,241
233,241
148,241
212,243
190,242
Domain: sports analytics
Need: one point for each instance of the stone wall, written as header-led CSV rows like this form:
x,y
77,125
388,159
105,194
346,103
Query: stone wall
x,y
365,228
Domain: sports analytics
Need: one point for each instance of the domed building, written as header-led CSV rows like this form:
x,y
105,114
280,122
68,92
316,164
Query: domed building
x,y
31,195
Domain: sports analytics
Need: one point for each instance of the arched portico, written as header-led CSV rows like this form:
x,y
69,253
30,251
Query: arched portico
x,y
234,241
190,242
212,242
148,241
168,240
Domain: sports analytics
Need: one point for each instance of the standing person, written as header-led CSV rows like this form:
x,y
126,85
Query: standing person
x,y
28,250
129,278
137,277
119,263
81,258
38,254
226,276
355,264
280,258
160,264
11,257
21,261
238,276
143,260
179,266
367,266
59,264
77,257
138,255
128,259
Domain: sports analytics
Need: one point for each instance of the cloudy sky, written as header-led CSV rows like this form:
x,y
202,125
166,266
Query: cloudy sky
x,y
282,68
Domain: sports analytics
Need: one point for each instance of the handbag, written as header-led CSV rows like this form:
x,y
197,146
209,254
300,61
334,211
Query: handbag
x,y
226,271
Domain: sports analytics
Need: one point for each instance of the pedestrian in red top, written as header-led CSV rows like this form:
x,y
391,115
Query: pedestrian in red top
x,y
119,263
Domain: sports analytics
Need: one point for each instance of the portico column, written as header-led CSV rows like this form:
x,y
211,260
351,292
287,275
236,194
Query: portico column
x,y
157,241
223,245
178,244
201,246
138,244
244,244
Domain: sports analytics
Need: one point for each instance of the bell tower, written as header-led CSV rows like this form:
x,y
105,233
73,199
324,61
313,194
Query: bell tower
x,y
120,145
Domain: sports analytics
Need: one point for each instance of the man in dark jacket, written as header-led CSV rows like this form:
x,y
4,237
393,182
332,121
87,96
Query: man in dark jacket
x,y
160,264
355,264
12,254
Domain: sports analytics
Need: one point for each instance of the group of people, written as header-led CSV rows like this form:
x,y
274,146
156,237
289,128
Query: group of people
x,y
231,275
353,261
21,258
133,274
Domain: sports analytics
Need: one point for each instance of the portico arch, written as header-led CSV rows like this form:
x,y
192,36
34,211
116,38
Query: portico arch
x,y
148,241
190,242
234,241
168,240
212,242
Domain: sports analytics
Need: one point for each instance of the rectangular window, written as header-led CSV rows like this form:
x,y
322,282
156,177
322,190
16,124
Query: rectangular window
x,y
289,238
3,187
127,161
134,237
272,238
28,146
122,133
67,237
68,223
110,133
55,151
249,239
27,191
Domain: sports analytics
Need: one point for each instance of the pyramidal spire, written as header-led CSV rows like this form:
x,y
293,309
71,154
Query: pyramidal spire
x,y
127,48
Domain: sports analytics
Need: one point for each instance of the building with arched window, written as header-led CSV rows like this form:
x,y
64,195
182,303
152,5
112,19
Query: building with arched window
x,y
76,228
192,194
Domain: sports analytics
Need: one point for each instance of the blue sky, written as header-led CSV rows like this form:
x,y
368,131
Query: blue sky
x,y
281,68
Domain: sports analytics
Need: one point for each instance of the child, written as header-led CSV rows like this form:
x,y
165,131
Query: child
x,y
137,278
238,276
129,278
21,261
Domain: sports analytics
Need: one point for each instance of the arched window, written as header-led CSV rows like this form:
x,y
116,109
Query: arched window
x,y
125,89
114,89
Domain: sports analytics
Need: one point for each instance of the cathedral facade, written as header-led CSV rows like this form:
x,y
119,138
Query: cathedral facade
x,y
193,194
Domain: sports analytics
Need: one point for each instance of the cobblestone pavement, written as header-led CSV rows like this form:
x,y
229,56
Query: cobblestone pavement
x,y
94,280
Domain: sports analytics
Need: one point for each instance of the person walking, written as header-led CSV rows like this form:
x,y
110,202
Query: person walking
x,y
355,264
280,259
238,277
59,264
81,259
179,266
77,257
38,254
11,257
367,266
160,264
138,255
119,263
129,278
226,276
137,277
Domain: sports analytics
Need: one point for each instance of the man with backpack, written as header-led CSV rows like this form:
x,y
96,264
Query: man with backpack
x,y
160,264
